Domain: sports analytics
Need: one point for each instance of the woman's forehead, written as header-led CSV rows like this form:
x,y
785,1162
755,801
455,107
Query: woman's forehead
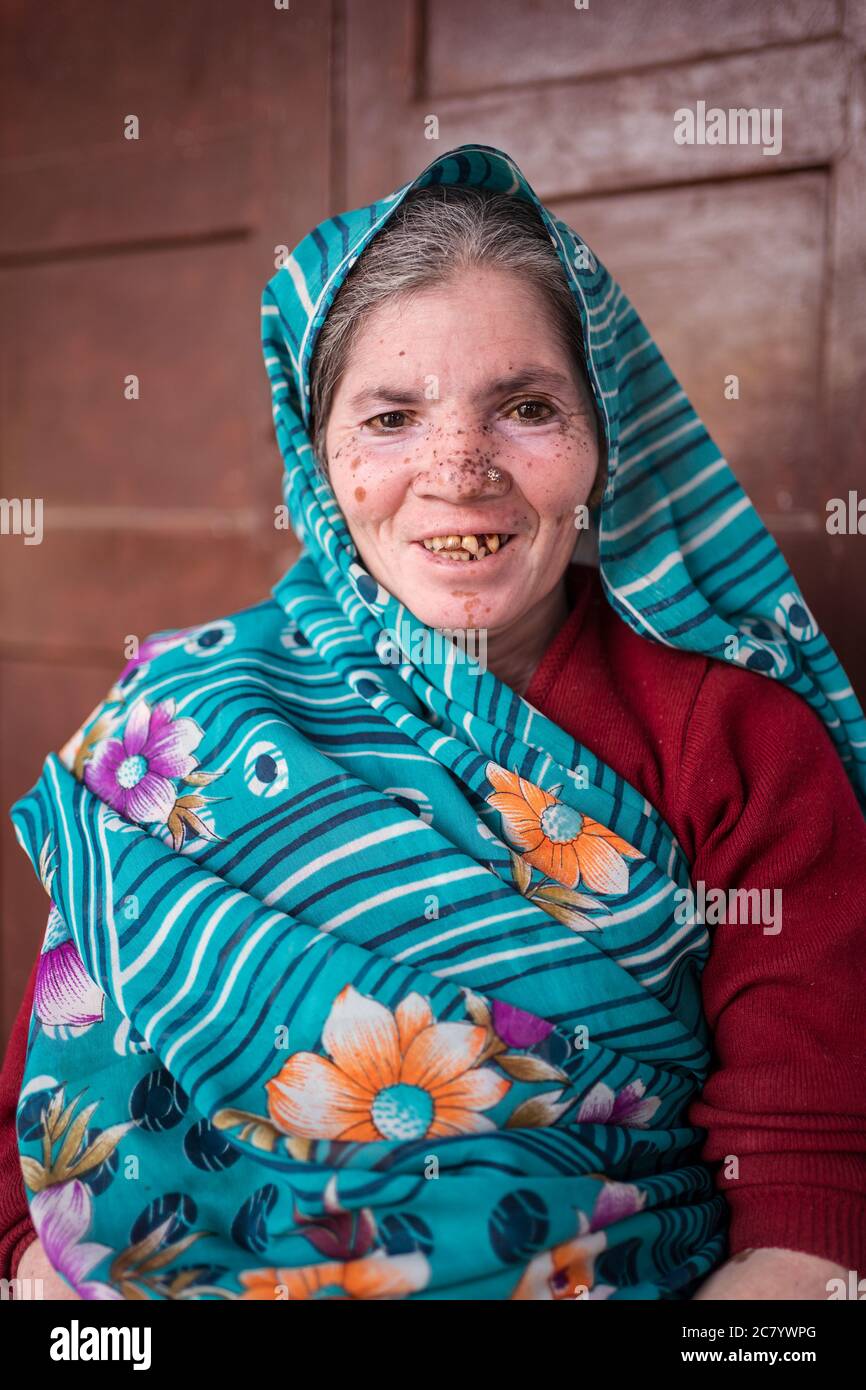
x,y
508,338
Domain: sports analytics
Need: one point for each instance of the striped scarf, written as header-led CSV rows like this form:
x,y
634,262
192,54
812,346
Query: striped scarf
x,y
361,977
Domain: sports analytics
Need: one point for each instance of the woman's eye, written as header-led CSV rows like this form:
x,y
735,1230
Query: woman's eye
x,y
533,406
389,420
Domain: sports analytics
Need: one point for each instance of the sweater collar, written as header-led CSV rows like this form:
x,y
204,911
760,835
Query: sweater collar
x,y
580,581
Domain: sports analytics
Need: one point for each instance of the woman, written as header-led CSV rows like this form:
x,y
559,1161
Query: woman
x,y
367,972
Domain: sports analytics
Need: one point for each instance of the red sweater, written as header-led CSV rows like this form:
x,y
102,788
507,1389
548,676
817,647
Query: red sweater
x,y
748,779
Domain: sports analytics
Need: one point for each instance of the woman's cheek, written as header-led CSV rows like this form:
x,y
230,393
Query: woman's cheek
x,y
561,481
369,495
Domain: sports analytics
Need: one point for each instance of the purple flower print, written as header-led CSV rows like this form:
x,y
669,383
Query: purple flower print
x,y
602,1107
615,1202
61,1215
133,773
518,1028
65,992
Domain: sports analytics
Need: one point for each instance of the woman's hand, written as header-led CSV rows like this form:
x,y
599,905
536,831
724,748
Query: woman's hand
x,y
34,1265
757,1274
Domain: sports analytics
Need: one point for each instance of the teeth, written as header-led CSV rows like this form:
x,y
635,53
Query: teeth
x,y
469,547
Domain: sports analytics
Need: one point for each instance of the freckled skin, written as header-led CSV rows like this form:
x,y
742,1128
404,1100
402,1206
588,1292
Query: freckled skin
x,y
471,601
401,472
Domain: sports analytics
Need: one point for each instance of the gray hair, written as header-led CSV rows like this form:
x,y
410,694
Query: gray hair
x,y
435,233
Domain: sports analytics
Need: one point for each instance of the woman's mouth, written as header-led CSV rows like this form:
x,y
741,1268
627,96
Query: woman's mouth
x,y
469,548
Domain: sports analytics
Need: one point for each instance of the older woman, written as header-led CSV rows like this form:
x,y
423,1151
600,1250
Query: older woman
x,y
372,967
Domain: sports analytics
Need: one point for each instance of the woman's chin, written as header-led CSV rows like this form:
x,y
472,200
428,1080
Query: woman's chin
x,y
457,618
472,610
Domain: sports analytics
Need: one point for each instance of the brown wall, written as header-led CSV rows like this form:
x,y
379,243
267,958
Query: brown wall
x,y
149,257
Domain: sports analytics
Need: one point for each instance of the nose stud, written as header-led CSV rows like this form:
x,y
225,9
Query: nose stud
x,y
494,475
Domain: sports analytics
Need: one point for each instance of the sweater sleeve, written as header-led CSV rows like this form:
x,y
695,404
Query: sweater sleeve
x,y
16,1228
769,806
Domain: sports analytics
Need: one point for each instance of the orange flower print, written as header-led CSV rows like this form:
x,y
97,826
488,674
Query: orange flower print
x,y
566,1271
394,1075
563,843
375,1276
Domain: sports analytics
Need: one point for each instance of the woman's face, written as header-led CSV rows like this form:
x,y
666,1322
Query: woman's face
x,y
441,386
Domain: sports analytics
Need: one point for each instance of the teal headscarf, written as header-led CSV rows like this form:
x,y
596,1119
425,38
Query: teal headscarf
x,y
361,977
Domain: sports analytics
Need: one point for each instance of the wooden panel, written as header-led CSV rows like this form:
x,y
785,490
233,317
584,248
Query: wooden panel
x,y
844,382
92,588
729,279
610,133
206,80
491,44
186,323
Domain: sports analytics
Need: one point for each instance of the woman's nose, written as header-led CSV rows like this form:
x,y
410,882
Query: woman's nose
x,y
463,477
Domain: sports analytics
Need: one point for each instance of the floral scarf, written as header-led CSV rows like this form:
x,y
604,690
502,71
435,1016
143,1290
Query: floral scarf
x,y
361,977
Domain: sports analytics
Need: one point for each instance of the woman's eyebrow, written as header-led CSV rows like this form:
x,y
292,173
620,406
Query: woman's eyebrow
x,y
393,394
525,378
